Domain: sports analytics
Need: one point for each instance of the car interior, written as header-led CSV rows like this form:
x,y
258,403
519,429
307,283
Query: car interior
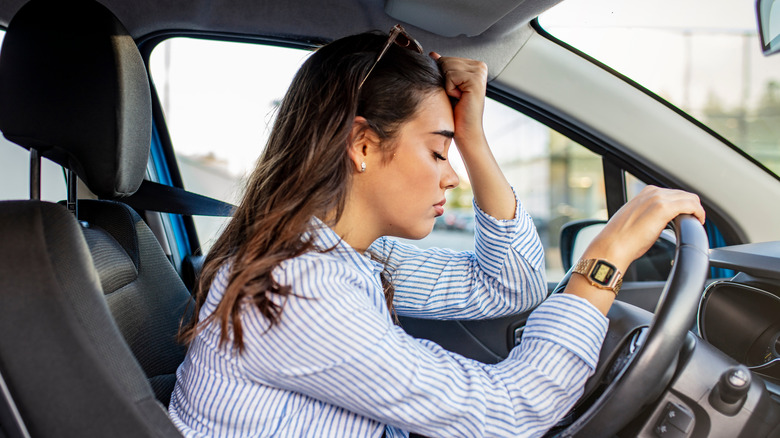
x,y
94,288
125,302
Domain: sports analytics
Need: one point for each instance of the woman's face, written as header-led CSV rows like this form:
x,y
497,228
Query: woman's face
x,y
405,193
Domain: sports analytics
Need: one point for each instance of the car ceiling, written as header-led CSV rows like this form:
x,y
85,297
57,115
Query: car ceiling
x,y
490,30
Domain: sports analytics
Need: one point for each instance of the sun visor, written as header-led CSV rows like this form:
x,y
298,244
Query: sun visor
x,y
451,18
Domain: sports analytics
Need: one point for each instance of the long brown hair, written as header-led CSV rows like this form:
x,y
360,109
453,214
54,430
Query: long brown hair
x,y
305,170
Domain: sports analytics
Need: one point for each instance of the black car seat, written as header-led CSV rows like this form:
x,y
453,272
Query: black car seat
x,y
83,303
66,369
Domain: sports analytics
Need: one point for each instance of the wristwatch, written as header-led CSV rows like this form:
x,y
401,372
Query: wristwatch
x,y
600,273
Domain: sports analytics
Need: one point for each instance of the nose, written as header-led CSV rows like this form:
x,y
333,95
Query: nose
x,y
449,179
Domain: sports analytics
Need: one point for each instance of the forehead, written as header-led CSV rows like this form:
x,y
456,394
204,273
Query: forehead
x,y
434,113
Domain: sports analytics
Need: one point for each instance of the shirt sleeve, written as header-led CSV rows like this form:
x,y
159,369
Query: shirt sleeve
x,y
504,274
334,345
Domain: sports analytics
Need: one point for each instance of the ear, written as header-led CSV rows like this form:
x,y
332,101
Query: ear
x,y
363,143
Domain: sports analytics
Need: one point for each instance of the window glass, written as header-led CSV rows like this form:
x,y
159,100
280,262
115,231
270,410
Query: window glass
x,y
634,185
703,56
219,100
15,171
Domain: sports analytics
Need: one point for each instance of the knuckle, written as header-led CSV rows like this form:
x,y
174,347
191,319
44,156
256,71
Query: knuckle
x,y
482,68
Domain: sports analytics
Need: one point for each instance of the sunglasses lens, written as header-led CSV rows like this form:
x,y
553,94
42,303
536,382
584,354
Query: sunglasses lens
x,y
407,42
403,41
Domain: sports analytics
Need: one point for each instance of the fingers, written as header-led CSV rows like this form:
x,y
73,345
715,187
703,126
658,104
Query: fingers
x,y
670,203
639,223
465,80
462,75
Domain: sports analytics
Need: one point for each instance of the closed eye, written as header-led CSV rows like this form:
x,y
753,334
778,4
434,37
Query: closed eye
x,y
439,156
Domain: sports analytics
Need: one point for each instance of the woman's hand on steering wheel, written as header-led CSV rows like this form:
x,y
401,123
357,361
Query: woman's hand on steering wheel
x,y
631,232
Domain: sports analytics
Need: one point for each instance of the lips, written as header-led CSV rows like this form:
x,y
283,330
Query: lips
x,y
439,207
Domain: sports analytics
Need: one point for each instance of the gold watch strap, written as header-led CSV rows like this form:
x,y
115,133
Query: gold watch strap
x,y
600,273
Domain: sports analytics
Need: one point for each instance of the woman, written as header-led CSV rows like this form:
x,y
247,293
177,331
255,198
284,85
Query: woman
x,y
295,333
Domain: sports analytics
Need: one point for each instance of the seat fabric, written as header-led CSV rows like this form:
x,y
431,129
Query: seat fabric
x,y
61,354
143,291
74,87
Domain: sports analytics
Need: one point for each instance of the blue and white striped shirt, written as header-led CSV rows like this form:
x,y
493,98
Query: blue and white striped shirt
x,y
337,366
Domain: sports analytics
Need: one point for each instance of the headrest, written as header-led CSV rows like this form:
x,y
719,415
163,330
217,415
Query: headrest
x,y
74,87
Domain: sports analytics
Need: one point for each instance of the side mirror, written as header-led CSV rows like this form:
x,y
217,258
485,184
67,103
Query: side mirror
x,y
768,12
654,265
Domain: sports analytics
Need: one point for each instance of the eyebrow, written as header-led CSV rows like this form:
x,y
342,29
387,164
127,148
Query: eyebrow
x,y
446,133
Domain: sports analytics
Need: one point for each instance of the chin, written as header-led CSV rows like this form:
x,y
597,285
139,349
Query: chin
x,y
420,231
418,236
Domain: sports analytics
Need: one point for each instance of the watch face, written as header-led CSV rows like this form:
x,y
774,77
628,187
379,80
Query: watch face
x,y
602,273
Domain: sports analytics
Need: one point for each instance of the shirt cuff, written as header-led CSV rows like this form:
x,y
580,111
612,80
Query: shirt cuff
x,y
571,322
494,237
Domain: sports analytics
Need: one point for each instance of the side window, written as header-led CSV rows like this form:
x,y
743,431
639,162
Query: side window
x,y
219,100
556,179
634,185
15,171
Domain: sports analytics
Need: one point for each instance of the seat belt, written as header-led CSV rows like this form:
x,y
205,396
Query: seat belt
x,y
154,196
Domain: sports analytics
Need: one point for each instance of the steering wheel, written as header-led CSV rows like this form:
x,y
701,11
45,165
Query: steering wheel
x,y
637,361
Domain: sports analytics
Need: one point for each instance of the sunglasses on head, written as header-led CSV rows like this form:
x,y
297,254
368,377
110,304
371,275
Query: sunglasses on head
x,y
402,39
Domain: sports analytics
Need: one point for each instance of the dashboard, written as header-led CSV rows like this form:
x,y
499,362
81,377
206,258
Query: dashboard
x,y
741,316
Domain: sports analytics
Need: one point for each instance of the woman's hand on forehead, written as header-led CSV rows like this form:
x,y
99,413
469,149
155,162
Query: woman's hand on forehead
x,y
466,81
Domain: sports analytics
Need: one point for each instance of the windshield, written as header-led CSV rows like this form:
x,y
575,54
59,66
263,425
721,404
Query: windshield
x,y
703,56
